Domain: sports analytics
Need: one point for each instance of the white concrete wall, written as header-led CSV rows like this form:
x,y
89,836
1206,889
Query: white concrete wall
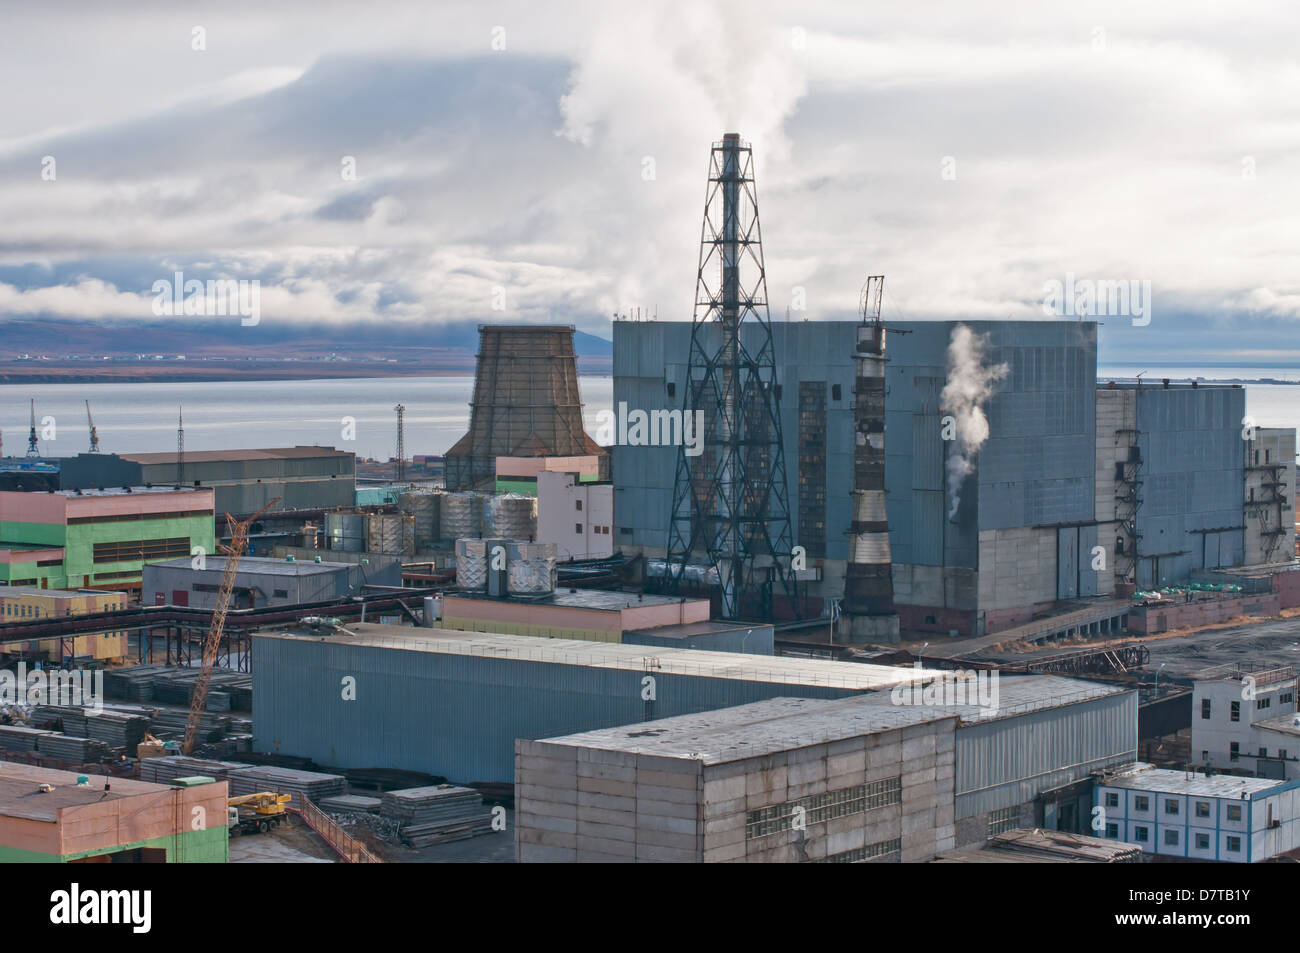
x,y
1216,734
1273,446
1017,567
577,517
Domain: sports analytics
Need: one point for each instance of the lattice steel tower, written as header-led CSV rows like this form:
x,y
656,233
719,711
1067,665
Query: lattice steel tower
x,y
730,502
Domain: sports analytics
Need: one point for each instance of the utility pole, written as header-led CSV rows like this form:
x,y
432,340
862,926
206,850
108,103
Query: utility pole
x,y
401,443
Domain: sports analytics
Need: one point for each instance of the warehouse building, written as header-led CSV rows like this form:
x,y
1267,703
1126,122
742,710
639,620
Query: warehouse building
x,y
304,478
47,816
24,602
452,704
100,539
600,615
873,777
1191,816
261,582
1153,476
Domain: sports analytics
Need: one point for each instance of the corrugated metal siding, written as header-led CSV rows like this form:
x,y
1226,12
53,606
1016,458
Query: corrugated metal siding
x,y
453,715
1008,761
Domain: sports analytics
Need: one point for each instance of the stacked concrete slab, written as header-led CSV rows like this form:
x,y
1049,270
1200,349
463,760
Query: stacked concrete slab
x,y
784,780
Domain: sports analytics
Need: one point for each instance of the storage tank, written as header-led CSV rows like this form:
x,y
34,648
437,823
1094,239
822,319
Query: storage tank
x,y
531,567
510,516
346,532
471,564
390,533
461,515
426,510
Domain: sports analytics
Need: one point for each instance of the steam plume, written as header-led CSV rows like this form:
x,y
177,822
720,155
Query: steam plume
x,y
969,385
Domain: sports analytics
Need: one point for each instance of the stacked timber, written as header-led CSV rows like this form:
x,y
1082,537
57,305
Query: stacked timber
x,y
19,738
312,784
437,814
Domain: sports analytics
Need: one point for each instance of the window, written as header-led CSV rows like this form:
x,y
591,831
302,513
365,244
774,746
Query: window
x,y
1234,812
1202,841
1235,713
1141,834
1171,838
836,392
577,528
140,550
1281,753
1141,803
1264,702
577,504
1171,806
1001,820
1205,755
1202,808
824,807
1234,750
1205,708
1234,845
1286,698
1263,752
859,854
281,594
1112,830
1112,799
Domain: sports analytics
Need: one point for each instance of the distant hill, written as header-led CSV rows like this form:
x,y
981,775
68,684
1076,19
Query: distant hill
x,y
75,350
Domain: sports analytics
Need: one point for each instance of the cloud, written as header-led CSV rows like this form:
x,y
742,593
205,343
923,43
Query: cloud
x,y
566,172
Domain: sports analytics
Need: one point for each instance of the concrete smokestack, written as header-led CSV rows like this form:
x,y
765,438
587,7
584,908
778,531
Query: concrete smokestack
x,y
867,611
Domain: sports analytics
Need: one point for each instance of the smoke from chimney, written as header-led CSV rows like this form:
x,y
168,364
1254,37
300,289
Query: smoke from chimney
x,y
970,384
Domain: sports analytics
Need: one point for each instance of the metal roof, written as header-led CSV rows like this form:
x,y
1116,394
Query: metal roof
x,y
603,599
1287,724
1018,694
123,491
1144,777
208,456
612,655
20,795
753,730
257,565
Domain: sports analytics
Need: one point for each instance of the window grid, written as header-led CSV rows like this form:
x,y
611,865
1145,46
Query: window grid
x,y
824,807
859,854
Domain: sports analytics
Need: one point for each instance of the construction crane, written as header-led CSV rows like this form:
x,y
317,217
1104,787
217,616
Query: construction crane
x,y
238,543
33,451
94,434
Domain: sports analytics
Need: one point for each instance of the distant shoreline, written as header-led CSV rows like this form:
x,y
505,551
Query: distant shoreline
x,y
47,372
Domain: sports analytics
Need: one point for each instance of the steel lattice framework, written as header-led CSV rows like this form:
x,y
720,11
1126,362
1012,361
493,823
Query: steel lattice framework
x,y
730,501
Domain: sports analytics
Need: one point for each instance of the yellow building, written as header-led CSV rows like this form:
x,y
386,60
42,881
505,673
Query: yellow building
x,y
24,603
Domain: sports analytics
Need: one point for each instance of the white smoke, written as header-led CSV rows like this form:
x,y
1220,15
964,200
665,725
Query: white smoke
x,y
970,384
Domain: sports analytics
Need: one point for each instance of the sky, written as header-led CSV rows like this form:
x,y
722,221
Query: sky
x,y
546,161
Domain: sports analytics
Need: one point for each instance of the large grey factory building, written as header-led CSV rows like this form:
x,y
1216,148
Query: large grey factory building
x,y
867,778
1154,476
261,582
304,478
453,703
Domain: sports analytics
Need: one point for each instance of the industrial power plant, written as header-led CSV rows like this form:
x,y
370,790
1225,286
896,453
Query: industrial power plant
x,y
875,590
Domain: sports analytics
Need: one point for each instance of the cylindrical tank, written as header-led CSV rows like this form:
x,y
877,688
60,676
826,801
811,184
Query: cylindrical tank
x,y
531,567
391,533
471,564
510,516
426,509
461,515
346,532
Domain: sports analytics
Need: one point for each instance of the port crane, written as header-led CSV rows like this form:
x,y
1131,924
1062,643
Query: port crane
x,y
238,544
94,434
33,451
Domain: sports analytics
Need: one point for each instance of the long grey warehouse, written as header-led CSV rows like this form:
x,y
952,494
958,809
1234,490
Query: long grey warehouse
x,y
453,704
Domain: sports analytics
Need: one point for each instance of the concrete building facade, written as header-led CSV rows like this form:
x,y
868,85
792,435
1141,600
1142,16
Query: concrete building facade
x,y
577,517
304,478
261,581
47,817
72,539
1241,719
1219,818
